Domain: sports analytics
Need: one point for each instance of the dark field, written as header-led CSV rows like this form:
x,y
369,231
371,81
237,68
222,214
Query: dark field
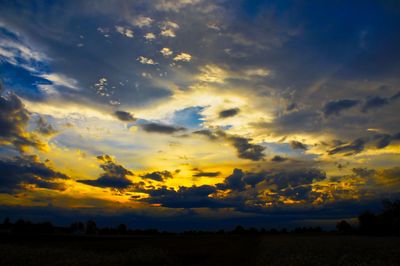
x,y
200,250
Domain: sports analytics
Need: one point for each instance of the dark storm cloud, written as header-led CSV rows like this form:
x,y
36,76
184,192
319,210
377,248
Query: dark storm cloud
x,y
351,148
297,145
229,112
158,175
336,107
18,172
161,128
114,176
44,128
14,119
125,116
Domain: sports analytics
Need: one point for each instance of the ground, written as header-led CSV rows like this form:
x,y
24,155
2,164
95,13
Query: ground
x,y
200,250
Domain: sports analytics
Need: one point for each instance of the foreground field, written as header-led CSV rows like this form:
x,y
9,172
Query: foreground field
x,y
200,250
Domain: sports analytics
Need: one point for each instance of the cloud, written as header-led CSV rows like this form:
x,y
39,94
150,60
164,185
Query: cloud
x,y
125,31
146,61
20,173
336,107
14,119
229,112
278,159
294,178
61,80
161,128
125,116
166,52
244,148
377,102
200,173
297,145
158,175
257,72
142,21
183,57
150,36
351,148
114,176
168,33
176,5
247,150
44,127
234,181
374,103
212,74
184,197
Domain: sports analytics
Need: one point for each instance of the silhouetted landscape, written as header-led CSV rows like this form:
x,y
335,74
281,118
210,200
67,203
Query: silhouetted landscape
x,y
374,240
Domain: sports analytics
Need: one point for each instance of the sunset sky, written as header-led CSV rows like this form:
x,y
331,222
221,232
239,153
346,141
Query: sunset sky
x,y
197,113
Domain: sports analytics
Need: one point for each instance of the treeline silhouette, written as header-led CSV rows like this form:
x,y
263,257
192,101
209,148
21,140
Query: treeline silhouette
x,y
387,222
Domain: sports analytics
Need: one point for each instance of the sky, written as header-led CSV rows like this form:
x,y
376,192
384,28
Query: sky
x,y
186,114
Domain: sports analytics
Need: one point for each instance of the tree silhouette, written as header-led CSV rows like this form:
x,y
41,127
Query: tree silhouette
x,y
344,227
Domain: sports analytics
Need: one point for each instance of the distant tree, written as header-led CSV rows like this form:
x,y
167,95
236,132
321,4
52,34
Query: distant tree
x,y
390,217
368,223
239,230
343,227
122,229
91,227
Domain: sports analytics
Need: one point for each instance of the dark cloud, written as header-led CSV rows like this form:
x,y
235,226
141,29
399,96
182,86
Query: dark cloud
x,y
298,193
377,102
247,150
201,173
185,197
374,103
395,96
242,190
383,141
351,148
209,134
43,127
297,145
244,148
158,175
294,178
234,181
161,128
298,121
229,112
14,119
125,116
114,176
278,159
336,107
18,173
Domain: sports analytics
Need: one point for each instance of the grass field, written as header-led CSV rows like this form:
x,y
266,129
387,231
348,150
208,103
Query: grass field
x,y
200,250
